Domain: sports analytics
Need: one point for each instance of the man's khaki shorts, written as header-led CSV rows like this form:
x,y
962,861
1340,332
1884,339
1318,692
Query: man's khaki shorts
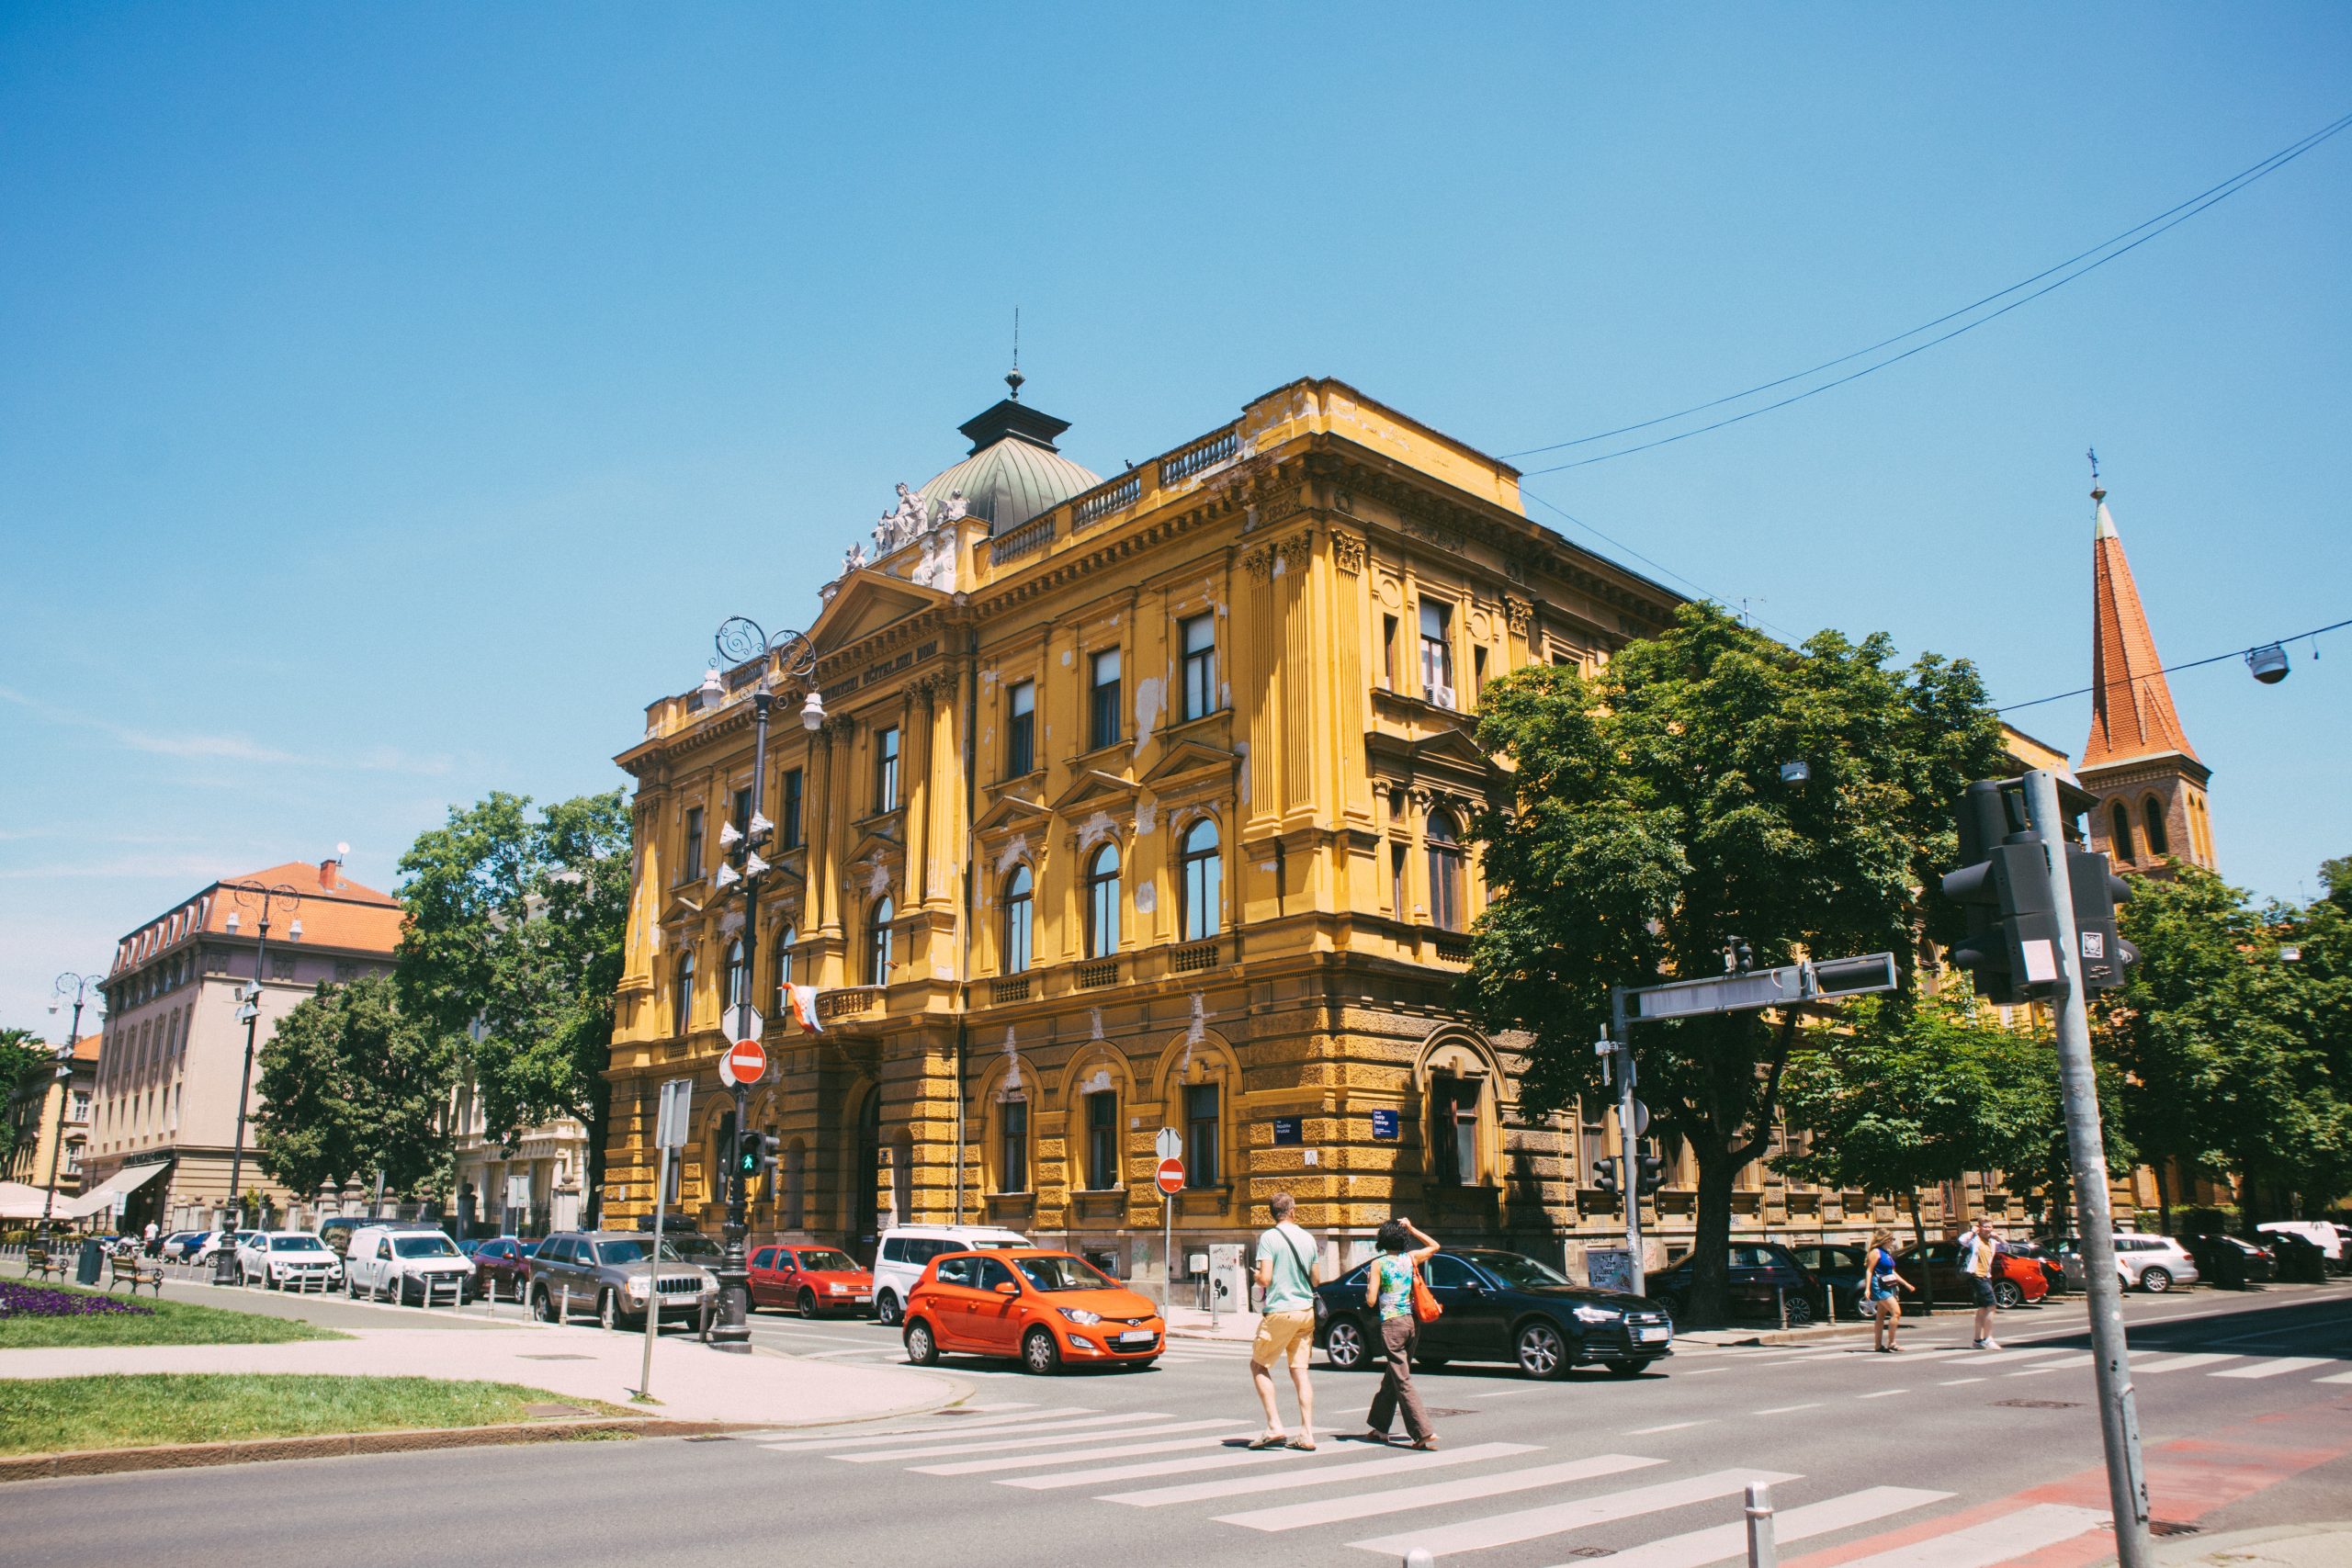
x,y
1282,1334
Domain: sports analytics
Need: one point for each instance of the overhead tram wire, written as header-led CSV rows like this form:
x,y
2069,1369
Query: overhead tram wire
x,y
1655,565
2169,219
2192,664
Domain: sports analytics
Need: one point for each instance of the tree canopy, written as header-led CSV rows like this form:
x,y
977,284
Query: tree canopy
x,y
23,1055
349,1087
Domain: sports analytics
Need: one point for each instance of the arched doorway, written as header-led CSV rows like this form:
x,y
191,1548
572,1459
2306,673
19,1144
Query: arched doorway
x,y
865,1178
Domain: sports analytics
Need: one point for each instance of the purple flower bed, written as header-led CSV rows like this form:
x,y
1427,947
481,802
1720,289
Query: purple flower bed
x,y
39,1301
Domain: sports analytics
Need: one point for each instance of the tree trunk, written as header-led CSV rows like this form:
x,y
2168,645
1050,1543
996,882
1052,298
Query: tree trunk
x,y
1926,1275
1709,1303
2164,1195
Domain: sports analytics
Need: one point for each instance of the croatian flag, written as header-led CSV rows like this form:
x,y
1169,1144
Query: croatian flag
x,y
803,1006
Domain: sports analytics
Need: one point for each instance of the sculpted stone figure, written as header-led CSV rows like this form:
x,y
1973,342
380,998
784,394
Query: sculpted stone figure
x,y
955,512
853,560
911,516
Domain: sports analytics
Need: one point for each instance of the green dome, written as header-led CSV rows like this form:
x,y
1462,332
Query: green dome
x,y
1014,470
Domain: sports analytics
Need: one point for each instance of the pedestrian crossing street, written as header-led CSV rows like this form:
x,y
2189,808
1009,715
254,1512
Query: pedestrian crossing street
x,y
1387,1502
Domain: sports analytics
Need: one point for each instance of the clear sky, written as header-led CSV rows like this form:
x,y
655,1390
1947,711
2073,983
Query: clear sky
x,y
393,399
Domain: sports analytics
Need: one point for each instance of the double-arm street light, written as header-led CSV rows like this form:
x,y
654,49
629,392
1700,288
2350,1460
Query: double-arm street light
x,y
788,654
262,901
78,988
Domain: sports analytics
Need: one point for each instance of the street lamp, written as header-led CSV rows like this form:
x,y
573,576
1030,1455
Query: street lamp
x,y
79,987
261,900
791,655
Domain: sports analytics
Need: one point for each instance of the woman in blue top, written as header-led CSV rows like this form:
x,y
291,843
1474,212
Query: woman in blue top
x,y
1388,1287
1883,1284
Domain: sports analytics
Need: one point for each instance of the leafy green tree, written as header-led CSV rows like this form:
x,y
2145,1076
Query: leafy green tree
x,y
350,1086
26,1062
512,952
1642,821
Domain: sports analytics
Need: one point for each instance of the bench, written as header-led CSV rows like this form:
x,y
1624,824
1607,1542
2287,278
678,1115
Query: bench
x,y
130,1271
41,1260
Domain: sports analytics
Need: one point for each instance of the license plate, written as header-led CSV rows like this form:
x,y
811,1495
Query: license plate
x,y
1136,1336
1650,1336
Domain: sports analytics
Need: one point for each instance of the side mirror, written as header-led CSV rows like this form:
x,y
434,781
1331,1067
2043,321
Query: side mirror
x,y
1008,1289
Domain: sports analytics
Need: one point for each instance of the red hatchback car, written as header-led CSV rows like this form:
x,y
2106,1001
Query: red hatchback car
x,y
812,1280
1049,1309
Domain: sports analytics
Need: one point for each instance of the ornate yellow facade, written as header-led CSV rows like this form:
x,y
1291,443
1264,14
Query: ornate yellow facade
x,y
1138,804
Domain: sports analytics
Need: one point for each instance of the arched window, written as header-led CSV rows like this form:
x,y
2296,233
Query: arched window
x,y
2152,811
681,993
1445,873
784,943
732,978
1102,902
1019,910
1102,1139
1204,882
2118,831
877,970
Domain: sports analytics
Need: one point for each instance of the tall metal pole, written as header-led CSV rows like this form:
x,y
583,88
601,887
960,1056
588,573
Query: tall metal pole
x,y
733,1330
1629,1165
224,1259
64,1087
2127,1484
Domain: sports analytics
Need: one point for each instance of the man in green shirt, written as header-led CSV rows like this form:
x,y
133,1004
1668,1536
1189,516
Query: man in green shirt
x,y
1286,1327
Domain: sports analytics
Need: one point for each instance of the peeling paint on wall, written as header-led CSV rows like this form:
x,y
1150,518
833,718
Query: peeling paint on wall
x,y
1146,898
1147,814
878,880
1067,657
1241,749
1014,853
1096,828
730,922
1013,1058
1150,692
1094,1023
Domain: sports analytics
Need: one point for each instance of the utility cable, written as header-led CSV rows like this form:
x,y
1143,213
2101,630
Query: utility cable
x,y
1657,565
2192,664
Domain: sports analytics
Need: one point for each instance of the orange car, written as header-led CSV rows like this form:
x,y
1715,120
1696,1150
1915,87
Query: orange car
x,y
1046,1308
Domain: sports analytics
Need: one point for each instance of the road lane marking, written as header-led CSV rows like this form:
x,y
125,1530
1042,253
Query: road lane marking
x,y
1986,1357
1501,1392
1034,1420
1955,1383
1554,1518
1717,1542
1883,1393
1006,1445
2156,1364
1332,1510
1227,1460
1703,1372
1321,1475
1784,1409
2275,1365
1215,1444
2338,1377
2003,1539
1669,1426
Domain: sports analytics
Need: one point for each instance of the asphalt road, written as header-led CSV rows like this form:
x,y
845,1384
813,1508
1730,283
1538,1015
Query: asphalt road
x,y
2246,1402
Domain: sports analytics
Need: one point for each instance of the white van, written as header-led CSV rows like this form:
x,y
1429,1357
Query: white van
x,y
406,1264
898,1261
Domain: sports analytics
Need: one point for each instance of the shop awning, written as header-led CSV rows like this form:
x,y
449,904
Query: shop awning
x,y
102,1196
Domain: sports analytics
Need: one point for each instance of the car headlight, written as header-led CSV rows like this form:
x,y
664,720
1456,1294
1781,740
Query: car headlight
x,y
638,1288
837,1290
1080,1314
1596,1315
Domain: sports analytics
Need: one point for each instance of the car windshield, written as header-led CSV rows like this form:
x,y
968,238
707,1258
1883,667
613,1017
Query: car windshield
x,y
1512,1270
433,1245
818,1261
296,1244
691,1250
623,1251
1063,1274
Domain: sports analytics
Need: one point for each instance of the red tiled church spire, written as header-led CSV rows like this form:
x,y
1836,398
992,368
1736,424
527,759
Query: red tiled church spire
x,y
2132,711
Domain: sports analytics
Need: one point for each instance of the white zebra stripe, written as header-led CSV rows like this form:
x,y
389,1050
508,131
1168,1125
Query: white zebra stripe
x,y
1319,1475
2275,1365
1719,1543
2003,1539
1059,1441
1554,1518
1332,1510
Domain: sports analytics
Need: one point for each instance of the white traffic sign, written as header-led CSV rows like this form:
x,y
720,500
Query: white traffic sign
x,y
742,1063
677,1099
1169,1145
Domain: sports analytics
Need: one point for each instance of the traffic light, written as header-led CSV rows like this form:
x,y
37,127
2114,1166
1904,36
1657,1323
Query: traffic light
x,y
2096,891
756,1155
2002,885
1604,1173
1649,1174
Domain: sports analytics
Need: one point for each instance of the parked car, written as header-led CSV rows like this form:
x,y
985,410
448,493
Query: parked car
x,y
1839,1267
617,1271
501,1266
2327,1238
2230,1260
1049,1309
1500,1306
406,1264
2153,1263
812,1280
1762,1274
907,1250
338,1232
288,1259
2053,1267
180,1246
2016,1280
210,1247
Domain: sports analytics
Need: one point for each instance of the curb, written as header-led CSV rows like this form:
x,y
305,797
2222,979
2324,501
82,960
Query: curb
x,y
340,1445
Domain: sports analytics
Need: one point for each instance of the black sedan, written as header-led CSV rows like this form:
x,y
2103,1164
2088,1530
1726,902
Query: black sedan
x,y
1762,1276
1500,1306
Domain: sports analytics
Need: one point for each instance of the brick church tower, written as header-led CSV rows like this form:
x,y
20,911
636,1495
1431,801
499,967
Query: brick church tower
x,y
2149,780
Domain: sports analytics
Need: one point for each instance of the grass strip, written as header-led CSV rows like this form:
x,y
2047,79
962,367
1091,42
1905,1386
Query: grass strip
x,y
171,1323
60,1415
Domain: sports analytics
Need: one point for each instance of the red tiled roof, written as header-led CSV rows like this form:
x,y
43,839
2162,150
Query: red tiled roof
x,y
2132,711
343,915
87,1048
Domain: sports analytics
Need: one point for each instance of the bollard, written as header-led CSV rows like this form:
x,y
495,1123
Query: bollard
x,y
1420,1558
1763,1551
1781,1299
563,1303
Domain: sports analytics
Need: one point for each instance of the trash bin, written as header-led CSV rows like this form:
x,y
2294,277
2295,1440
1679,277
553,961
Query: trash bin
x,y
91,1264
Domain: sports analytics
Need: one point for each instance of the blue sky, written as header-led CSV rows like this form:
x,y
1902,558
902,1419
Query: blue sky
x,y
395,398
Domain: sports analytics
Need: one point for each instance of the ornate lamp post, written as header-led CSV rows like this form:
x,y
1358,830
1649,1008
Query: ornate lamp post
x,y
261,900
78,985
788,654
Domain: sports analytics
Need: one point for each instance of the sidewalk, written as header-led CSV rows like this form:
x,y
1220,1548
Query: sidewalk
x,y
1191,1322
2328,1545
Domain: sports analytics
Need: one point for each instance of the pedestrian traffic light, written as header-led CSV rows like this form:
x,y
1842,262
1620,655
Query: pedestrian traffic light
x,y
2097,890
2002,885
1649,1174
1604,1173
755,1154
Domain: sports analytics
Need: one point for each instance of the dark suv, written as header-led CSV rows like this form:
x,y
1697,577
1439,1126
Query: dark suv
x,y
1763,1273
615,1271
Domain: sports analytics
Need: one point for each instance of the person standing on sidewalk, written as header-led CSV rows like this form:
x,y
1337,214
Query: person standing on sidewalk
x,y
1389,1287
1977,1250
1285,1325
1885,1287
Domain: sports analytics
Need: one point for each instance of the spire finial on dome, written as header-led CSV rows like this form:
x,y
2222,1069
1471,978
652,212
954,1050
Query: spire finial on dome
x,y
1013,378
2098,492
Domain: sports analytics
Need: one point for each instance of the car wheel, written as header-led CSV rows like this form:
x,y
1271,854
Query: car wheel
x,y
1670,1301
1345,1346
2008,1295
541,1307
2155,1280
886,1309
1543,1353
608,1311
1039,1354
808,1304
921,1349
1627,1369
1800,1311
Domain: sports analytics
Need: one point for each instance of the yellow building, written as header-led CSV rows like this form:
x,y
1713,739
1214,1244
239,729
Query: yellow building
x,y
1138,803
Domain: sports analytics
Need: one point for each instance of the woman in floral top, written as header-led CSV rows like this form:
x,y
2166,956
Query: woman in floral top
x,y
1389,1287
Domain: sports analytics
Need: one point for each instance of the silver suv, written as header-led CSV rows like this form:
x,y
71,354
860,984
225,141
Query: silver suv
x,y
615,1271
2153,1263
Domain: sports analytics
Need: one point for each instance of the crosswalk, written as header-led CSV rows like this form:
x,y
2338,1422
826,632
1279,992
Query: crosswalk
x,y
1453,1503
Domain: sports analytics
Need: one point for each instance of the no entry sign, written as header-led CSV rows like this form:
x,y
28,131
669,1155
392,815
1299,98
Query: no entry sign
x,y
743,1063
1170,1177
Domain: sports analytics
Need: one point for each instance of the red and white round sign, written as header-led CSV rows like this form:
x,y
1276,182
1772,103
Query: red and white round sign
x,y
1170,1177
745,1061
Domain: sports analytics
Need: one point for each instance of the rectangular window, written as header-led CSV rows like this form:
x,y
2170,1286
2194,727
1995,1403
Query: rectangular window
x,y
1197,637
1397,903
690,856
1477,673
1388,651
886,770
788,822
739,810
1013,1152
1021,729
281,966
1200,1135
1102,728
1463,1131
1437,653
1102,1140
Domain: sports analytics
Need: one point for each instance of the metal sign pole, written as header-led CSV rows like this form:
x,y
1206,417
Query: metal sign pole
x,y
1629,1167
2127,1484
653,1294
1166,1254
